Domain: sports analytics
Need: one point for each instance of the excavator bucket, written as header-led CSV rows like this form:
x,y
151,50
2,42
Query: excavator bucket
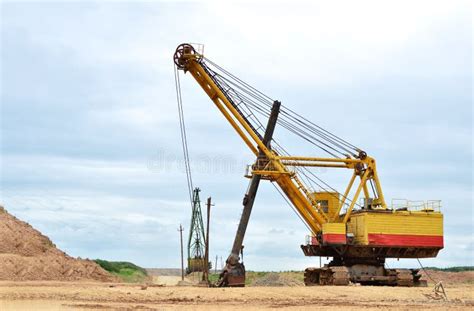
x,y
232,276
236,281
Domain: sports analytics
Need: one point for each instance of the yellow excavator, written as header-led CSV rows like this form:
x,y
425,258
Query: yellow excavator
x,y
356,227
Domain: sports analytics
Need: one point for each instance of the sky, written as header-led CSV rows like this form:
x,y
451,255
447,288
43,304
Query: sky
x,y
90,145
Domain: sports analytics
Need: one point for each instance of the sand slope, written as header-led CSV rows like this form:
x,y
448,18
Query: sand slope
x,y
28,255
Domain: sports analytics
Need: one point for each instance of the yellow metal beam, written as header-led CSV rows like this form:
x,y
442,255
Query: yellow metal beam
x,y
366,191
296,163
277,170
195,66
378,187
346,193
300,202
212,94
270,173
356,196
315,159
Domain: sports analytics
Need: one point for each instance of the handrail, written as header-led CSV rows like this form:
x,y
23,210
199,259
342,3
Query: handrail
x,y
416,205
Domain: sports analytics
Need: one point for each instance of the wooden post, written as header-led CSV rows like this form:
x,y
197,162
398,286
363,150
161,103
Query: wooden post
x,y
205,275
181,229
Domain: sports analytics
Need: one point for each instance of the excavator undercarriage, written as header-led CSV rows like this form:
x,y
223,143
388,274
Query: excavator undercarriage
x,y
358,262
363,274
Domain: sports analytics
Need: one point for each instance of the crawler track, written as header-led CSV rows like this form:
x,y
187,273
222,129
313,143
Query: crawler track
x,y
342,275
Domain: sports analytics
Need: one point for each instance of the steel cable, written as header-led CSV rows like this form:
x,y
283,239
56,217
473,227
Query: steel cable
x,y
247,97
266,100
184,141
254,102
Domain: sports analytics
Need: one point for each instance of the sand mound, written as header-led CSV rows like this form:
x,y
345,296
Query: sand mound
x,y
448,277
163,272
276,279
28,255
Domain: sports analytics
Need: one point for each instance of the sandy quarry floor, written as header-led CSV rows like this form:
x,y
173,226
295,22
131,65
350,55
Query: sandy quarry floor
x,y
99,296
167,280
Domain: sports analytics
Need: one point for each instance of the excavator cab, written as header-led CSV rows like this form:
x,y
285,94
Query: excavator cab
x,y
329,202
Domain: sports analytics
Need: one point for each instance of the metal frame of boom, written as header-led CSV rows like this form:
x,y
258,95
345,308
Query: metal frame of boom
x,y
277,169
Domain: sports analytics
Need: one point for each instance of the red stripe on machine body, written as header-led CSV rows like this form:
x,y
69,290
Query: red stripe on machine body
x,y
334,238
406,240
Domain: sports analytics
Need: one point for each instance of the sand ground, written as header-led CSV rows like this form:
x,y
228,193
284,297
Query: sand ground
x,y
111,296
167,280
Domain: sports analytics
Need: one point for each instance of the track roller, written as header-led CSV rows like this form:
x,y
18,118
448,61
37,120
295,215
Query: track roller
x,y
327,276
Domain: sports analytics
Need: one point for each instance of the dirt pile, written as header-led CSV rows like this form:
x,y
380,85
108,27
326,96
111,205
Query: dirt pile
x,y
277,279
163,272
463,277
28,255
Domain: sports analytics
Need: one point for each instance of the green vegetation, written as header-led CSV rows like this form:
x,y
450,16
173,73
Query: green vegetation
x,y
452,269
126,271
213,277
251,276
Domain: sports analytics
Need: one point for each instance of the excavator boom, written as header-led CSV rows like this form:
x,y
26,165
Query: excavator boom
x,y
277,169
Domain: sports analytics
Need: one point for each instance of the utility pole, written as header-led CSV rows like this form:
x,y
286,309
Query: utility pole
x,y
205,274
215,267
181,229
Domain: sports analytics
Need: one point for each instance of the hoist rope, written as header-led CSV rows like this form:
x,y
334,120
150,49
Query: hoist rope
x,y
255,101
184,141
266,100
291,206
293,118
426,272
251,103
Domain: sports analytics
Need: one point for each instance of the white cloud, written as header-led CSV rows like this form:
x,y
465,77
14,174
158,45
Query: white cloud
x,y
80,146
